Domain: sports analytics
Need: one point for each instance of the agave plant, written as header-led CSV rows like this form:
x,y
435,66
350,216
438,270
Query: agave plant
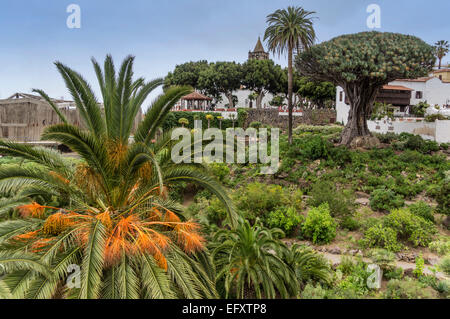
x,y
115,219
249,262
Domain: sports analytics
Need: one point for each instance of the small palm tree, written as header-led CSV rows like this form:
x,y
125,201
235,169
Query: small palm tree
x,y
220,118
233,119
183,121
209,117
249,261
442,49
290,30
309,266
115,218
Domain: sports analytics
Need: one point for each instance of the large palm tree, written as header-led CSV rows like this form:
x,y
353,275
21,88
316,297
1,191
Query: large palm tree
x,y
249,262
115,218
290,30
442,48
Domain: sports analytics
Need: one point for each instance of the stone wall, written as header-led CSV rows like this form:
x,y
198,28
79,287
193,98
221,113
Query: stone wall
x,y
274,118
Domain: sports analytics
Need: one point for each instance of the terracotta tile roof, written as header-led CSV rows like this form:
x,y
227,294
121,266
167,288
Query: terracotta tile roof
x,y
195,96
441,71
396,87
424,79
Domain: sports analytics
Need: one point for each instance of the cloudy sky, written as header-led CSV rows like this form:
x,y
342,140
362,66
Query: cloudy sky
x,y
163,33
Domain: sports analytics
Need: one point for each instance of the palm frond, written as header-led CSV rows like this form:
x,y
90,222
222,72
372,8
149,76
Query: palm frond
x,y
92,265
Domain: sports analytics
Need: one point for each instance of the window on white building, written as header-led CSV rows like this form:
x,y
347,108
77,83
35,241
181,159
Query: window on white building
x,y
419,95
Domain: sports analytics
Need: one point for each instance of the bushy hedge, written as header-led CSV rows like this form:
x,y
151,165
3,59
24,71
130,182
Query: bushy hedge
x,y
399,225
319,226
385,199
172,119
408,289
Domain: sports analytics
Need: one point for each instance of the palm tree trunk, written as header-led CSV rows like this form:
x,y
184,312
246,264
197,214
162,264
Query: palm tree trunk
x,y
290,87
440,63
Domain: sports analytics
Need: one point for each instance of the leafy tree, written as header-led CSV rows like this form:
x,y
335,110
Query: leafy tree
x,y
317,92
442,48
277,101
290,29
249,261
361,64
186,74
262,77
117,221
221,78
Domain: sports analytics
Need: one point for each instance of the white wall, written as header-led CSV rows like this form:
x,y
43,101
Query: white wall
x,y
443,131
342,109
438,131
434,91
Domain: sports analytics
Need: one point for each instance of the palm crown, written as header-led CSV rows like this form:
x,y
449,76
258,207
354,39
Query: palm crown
x,y
289,30
442,48
114,218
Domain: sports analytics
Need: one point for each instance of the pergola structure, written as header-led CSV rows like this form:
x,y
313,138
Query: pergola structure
x,y
195,101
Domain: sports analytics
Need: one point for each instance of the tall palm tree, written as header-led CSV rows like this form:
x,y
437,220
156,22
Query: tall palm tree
x,y
115,218
442,48
249,262
290,30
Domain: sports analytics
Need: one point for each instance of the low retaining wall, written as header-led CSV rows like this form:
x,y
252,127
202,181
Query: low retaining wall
x,y
438,131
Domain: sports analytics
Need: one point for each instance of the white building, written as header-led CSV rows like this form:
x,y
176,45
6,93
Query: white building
x,y
431,90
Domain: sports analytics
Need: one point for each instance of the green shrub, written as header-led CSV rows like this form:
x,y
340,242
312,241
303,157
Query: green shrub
x,y
257,200
433,117
219,170
319,226
395,273
383,258
316,148
445,265
386,138
347,265
443,287
354,285
350,224
384,200
441,247
341,203
256,125
420,267
408,289
423,210
381,237
410,227
420,109
285,218
173,118
417,143
313,292
443,196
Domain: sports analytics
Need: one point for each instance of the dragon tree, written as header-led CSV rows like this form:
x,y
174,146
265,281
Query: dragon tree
x,y
361,64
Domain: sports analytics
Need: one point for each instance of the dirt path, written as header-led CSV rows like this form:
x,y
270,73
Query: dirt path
x,y
336,259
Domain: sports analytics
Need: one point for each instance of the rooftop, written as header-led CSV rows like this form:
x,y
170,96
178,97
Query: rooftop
x,y
396,88
195,96
259,47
